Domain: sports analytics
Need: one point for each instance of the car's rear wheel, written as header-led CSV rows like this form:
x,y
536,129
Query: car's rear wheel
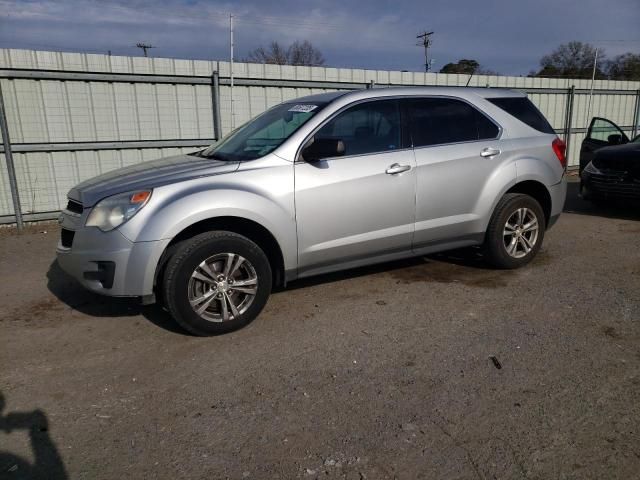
x,y
216,282
515,232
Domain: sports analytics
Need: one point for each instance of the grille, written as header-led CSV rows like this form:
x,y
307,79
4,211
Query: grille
x,y
618,184
66,237
73,206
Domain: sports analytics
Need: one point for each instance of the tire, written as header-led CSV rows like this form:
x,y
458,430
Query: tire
x,y
499,247
208,270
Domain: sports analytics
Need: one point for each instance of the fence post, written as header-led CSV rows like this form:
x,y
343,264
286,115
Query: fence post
x,y
636,115
4,128
566,127
569,120
215,104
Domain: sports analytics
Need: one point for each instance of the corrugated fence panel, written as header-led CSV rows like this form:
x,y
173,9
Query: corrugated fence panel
x,y
44,178
6,206
147,112
124,103
72,110
29,114
80,104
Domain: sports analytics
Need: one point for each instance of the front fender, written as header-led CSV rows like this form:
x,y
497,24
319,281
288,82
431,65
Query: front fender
x,y
174,208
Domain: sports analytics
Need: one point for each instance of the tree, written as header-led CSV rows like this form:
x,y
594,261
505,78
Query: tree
x,y
274,54
466,66
304,54
463,66
624,67
572,60
298,53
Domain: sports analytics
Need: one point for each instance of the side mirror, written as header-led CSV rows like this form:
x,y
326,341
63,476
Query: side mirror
x,y
615,139
319,148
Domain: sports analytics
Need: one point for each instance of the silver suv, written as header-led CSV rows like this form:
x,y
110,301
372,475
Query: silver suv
x,y
317,184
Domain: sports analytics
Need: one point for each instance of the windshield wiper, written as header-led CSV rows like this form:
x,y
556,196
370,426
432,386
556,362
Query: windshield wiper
x,y
216,156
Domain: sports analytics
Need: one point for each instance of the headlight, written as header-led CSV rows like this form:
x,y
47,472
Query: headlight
x,y
112,212
591,168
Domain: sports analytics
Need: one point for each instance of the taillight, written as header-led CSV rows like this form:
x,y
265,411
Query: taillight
x,y
560,148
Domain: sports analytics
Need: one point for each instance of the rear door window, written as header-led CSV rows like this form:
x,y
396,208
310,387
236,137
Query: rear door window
x,y
437,121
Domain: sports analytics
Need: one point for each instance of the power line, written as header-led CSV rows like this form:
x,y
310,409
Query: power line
x,y
629,40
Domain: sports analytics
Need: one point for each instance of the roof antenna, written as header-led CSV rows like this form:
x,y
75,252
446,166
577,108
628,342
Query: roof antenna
x,y
470,77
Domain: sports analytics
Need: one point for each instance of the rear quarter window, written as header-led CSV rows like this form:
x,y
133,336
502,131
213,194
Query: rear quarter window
x,y
525,111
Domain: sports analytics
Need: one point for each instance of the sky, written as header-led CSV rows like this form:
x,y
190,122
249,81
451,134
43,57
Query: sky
x,y
509,37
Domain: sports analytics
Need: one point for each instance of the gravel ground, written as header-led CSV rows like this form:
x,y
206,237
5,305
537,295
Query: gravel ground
x,y
429,368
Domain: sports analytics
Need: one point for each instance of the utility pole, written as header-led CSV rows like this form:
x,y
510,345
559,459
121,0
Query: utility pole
x,y
145,47
593,78
426,43
233,119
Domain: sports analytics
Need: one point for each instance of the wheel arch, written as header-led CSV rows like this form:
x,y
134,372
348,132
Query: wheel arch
x,y
251,229
536,190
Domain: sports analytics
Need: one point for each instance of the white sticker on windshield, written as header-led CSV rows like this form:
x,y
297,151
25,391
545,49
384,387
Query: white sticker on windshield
x,y
303,108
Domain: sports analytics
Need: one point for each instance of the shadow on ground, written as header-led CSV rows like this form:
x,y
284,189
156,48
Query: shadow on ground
x,y
74,295
618,209
71,293
47,462
470,258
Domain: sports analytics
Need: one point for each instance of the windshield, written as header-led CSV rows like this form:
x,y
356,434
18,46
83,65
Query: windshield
x,y
264,133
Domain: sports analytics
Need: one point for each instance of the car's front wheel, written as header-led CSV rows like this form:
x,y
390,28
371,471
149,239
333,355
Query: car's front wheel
x,y
216,282
515,232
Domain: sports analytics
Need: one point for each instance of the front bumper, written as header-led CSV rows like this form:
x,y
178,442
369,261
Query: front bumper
x,y
107,262
609,184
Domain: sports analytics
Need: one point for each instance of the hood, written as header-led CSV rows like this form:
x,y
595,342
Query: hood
x,y
619,157
148,175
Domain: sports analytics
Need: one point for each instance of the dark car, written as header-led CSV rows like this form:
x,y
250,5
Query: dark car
x,y
609,163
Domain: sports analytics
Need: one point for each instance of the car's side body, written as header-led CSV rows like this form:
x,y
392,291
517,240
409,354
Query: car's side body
x,y
322,216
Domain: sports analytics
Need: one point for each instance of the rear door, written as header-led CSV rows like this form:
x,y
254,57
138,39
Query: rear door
x,y
457,149
601,133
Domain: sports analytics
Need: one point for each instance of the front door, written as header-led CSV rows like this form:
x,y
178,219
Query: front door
x,y
601,133
360,205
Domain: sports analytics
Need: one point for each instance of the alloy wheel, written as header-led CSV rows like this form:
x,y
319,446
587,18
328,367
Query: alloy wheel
x,y
521,232
222,287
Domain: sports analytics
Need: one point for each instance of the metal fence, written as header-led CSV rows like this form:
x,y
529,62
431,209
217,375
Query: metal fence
x,y
71,116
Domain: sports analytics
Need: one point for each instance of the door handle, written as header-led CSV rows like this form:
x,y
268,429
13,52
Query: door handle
x,y
489,152
397,168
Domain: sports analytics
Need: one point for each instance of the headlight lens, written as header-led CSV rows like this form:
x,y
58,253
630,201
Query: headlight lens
x,y
112,212
591,168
